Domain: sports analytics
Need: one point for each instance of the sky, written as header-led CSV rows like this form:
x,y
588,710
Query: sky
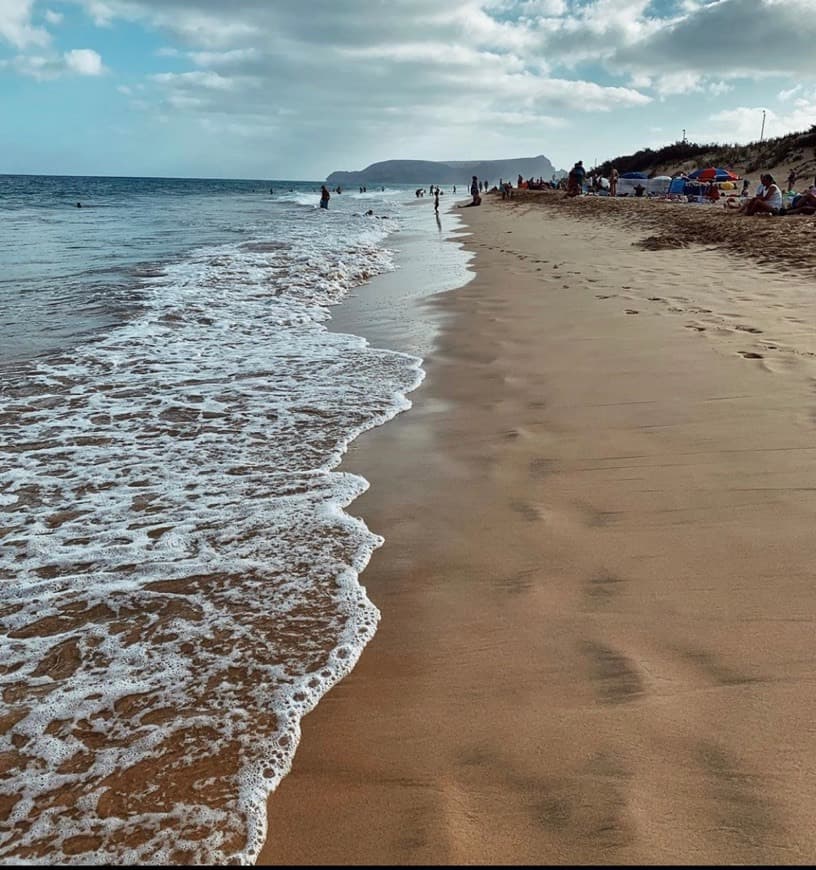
x,y
295,89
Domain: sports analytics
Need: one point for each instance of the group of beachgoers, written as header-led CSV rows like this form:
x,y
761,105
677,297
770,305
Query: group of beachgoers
x,y
434,190
578,178
769,199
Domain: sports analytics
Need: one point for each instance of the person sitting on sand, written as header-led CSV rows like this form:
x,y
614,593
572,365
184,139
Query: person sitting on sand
x,y
575,180
805,203
713,193
769,202
474,191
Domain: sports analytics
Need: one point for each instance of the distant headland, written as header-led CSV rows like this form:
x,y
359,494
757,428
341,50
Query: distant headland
x,y
427,172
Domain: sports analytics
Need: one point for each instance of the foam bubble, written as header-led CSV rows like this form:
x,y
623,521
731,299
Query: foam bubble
x,y
182,576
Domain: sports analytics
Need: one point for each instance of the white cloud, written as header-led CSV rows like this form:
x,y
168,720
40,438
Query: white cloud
x,y
786,95
224,58
84,62
210,81
457,75
103,13
35,67
717,89
16,26
669,84
79,61
744,123
543,8
53,18
183,101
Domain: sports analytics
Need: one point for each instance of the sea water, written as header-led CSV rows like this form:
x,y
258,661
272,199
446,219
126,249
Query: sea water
x,y
179,575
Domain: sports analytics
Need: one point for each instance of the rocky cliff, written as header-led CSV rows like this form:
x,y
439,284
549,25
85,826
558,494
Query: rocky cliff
x,y
427,172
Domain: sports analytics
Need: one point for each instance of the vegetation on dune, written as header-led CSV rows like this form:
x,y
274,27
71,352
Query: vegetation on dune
x,y
792,149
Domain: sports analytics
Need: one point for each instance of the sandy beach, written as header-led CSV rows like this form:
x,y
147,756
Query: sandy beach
x,y
597,587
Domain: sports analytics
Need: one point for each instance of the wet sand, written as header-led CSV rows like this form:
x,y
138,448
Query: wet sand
x,y
597,587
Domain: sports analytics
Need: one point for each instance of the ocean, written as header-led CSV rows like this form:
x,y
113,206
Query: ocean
x,y
180,574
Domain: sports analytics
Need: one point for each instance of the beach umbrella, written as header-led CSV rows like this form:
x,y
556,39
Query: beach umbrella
x,y
726,175
713,173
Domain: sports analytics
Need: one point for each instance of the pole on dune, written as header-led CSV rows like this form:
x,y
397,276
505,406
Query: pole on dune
x,y
762,132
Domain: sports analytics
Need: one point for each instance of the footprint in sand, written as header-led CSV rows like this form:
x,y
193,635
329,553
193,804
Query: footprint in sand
x,y
632,311
750,354
654,299
695,327
529,511
603,586
541,467
600,296
751,329
616,678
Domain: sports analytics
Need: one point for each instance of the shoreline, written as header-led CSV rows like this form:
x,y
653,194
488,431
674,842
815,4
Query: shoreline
x,y
595,643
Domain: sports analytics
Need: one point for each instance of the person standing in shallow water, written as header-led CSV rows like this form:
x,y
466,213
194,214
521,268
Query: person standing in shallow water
x,y
325,196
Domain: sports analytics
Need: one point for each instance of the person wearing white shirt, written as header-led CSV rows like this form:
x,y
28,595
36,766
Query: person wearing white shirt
x,y
770,201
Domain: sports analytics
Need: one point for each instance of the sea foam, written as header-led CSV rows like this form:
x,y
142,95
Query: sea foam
x,y
180,576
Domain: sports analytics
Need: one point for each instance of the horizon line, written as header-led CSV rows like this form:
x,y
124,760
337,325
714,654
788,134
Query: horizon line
x,y
160,177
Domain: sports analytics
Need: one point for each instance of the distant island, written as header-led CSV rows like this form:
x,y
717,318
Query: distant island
x,y
427,172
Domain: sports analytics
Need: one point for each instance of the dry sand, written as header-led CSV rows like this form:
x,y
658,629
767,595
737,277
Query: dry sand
x,y
780,241
597,588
